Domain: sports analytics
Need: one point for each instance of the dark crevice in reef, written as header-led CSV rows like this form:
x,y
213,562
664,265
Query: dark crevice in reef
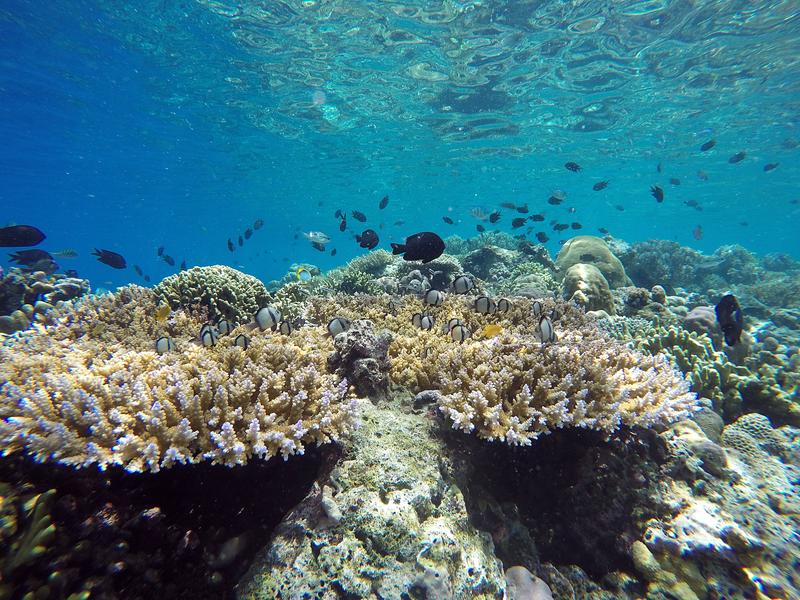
x,y
570,498
186,532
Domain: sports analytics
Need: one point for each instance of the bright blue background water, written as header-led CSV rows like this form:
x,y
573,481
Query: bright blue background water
x,y
179,124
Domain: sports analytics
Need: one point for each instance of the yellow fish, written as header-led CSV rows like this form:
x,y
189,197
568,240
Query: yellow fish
x,y
162,312
492,330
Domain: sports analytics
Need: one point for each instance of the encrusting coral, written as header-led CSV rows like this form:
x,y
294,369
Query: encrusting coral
x,y
92,390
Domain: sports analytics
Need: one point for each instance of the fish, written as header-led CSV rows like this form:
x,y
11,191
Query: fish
x,y
433,297
554,200
160,251
560,227
450,324
659,167
343,225
572,166
462,284
20,236
603,230
546,330
368,239
619,207
162,312
138,270
333,252
112,259
209,336
576,225
29,257
317,236
738,157
268,317
183,265
242,341
537,217
339,214
383,203
447,220
169,260
224,326
425,246
480,228
484,305
303,274
571,209
164,344
231,247
542,237
691,203
674,181
708,145
318,246
248,233
702,175
494,217
492,330
459,333
422,321
657,193
147,278
770,167
600,185
730,319
479,213
241,242
258,224
338,325
503,305
518,222
399,223
358,216
744,223
66,253
522,209
285,327
537,308
509,205
697,232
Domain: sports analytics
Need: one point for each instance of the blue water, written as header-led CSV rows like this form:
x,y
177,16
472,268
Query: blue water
x,y
177,124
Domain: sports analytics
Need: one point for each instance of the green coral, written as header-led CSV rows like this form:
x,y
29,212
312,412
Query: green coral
x,y
290,299
373,263
344,281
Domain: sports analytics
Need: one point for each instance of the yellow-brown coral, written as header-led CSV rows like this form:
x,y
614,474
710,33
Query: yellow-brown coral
x,y
92,390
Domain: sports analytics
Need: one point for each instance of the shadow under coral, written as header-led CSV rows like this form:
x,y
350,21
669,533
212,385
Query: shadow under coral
x,y
186,532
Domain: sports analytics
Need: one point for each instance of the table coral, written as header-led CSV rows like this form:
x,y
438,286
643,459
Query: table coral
x,y
92,390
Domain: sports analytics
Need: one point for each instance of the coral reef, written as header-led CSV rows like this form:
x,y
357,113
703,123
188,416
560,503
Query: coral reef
x,y
362,357
585,285
222,291
91,390
594,251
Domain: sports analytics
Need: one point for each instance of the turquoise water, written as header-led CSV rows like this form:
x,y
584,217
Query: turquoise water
x,y
150,124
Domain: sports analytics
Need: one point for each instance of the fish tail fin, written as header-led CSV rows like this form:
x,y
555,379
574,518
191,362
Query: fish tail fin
x,y
398,248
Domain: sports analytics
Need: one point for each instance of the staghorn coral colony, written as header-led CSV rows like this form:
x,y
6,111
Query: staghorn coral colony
x,y
601,407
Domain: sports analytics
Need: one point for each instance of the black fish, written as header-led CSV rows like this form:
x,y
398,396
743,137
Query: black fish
x,y
480,228
560,226
770,166
537,217
523,209
691,203
554,200
112,259
384,201
494,217
231,247
338,214
241,241
359,216
730,319
509,205
399,223
147,278
576,225
738,157
619,207
447,220
603,230
169,260
600,185
368,239
20,235
183,265
674,181
542,237
343,225
160,251
318,246
572,166
657,193
333,252
658,167
30,257
258,224
708,145
138,270
248,233
518,222
424,246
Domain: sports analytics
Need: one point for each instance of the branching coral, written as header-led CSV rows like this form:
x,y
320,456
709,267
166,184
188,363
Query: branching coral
x,y
92,390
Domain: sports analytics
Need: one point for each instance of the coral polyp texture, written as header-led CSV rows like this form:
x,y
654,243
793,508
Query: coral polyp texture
x,y
91,389
509,386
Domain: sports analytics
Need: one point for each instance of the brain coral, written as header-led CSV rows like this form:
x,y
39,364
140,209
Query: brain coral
x,y
222,291
91,390
512,388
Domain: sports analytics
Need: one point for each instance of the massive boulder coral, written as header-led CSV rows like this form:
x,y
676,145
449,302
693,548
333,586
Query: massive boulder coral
x,y
585,285
221,290
92,390
592,250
